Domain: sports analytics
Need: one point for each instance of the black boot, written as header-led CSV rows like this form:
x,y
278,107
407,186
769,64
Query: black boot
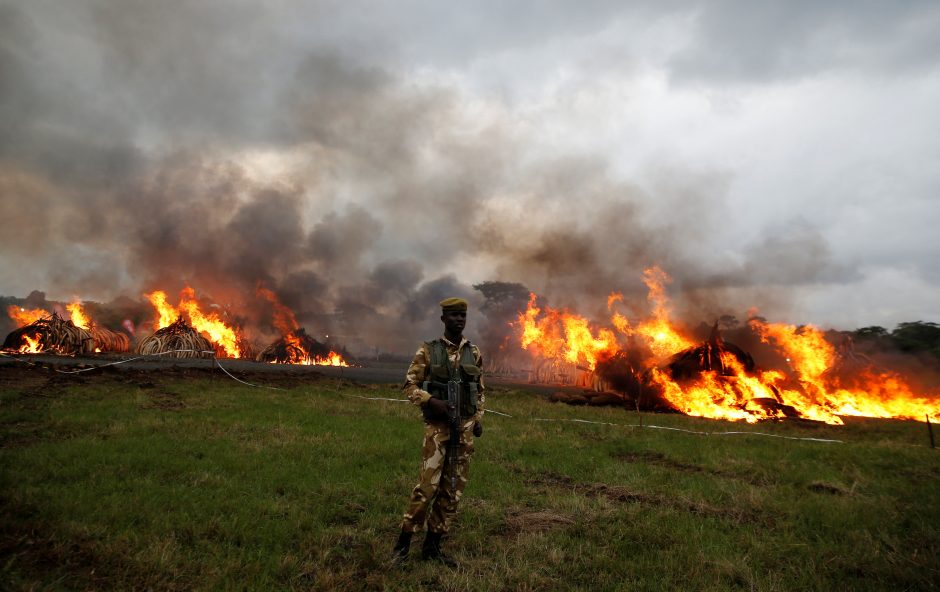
x,y
400,552
432,550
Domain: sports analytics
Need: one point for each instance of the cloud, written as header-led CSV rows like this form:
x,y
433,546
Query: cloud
x,y
750,42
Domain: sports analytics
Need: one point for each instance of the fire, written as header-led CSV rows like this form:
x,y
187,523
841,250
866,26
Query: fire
x,y
284,319
79,318
209,324
332,359
166,312
661,337
560,335
812,387
24,317
295,351
825,394
32,345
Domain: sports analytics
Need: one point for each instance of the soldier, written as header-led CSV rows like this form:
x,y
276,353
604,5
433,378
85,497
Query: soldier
x,y
434,499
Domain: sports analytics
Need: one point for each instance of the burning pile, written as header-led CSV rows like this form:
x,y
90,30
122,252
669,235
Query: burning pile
x,y
299,348
219,336
49,334
105,339
180,339
295,346
654,363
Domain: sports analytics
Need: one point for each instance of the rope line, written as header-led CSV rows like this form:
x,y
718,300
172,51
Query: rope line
x,y
624,425
174,351
656,427
375,398
215,359
217,363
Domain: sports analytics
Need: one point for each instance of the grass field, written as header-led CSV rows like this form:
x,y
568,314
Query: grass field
x,y
179,481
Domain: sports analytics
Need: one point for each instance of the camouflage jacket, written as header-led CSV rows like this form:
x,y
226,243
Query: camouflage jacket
x,y
420,369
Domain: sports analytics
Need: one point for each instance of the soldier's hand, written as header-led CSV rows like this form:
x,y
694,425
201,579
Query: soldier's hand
x,y
477,429
438,409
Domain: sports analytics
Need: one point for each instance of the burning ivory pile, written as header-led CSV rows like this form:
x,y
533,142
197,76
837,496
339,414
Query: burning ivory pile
x,y
177,340
50,334
297,347
107,340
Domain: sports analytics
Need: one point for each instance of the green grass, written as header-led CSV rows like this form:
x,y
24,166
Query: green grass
x,y
176,482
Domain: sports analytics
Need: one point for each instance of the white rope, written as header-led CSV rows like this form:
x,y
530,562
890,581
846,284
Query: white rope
x,y
217,363
623,425
375,398
777,436
656,427
173,351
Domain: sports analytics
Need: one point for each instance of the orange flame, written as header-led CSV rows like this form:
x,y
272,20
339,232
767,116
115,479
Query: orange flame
x,y
210,324
79,318
284,319
560,335
825,394
733,395
661,337
298,354
332,359
32,345
166,312
24,317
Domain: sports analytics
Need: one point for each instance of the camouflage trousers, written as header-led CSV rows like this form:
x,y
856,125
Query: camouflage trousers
x,y
434,499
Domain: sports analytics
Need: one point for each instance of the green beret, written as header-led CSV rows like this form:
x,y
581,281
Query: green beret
x,y
454,304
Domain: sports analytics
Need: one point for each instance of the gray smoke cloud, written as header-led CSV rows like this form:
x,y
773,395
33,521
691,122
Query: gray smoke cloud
x,y
222,145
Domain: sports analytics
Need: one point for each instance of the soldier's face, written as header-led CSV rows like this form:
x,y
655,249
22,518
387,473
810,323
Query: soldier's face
x,y
454,321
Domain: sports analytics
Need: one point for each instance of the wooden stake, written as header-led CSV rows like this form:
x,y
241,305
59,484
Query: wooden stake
x,y
930,430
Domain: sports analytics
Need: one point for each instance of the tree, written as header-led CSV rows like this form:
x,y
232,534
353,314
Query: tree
x,y
503,297
917,336
873,332
727,322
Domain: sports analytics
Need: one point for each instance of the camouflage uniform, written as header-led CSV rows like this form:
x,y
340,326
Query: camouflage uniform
x,y
424,506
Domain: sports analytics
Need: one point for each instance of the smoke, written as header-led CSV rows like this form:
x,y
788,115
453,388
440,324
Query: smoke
x,y
161,152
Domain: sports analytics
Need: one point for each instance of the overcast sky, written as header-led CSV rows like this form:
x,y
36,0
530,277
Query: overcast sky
x,y
372,156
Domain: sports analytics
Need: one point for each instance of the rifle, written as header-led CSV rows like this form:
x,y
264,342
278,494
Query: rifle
x,y
454,419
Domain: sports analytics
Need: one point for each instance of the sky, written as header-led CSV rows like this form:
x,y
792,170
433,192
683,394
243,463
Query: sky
x,y
366,159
